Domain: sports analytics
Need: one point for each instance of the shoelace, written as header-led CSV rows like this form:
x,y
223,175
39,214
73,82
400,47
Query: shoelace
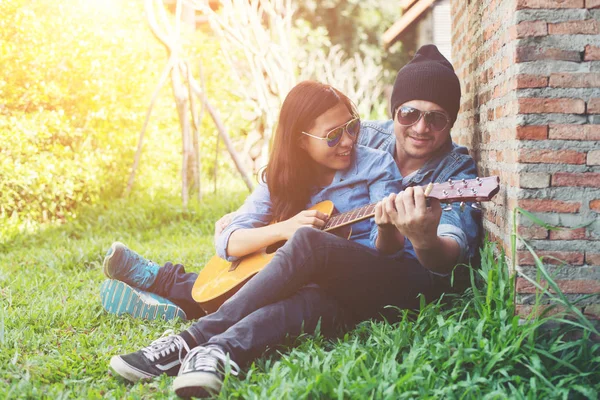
x,y
139,259
165,346
207,359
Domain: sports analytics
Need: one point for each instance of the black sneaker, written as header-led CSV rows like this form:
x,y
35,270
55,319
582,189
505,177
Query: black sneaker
x,y
163,356
202,372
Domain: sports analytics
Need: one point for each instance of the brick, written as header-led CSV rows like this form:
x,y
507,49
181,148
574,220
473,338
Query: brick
x,y
532,132
566,286
567,80
499,91
589,179
592,258
528,310
574,132
561,106
531,53
585,27
549,4
534,180
528,156
529,29
593,106
524,81
569,234
545,205
593,157
533,232
592,53
551,257
592,3
595,205
592,311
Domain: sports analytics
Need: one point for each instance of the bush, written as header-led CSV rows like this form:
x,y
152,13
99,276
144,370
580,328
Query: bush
x,y
76,81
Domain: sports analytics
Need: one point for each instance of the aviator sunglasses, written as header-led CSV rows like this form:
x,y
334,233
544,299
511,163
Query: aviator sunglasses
x,y
334,136
408,116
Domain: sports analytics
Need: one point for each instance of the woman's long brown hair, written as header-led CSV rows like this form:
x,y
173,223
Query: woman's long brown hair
x,y
291,172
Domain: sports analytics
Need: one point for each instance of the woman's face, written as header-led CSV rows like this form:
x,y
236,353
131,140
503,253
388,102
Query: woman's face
x,y
335,158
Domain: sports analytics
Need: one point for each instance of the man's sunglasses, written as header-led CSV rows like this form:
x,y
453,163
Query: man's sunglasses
x,y
334,136
436,120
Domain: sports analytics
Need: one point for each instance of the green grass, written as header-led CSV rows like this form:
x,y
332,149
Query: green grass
x,y
56,340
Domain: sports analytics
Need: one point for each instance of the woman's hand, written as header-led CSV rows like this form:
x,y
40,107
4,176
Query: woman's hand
x,y
312,218
222,223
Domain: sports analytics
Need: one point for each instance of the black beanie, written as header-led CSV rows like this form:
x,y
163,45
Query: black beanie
x,y
428,76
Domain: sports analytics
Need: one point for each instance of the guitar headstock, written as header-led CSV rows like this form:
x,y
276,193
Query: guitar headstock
x,y
471,190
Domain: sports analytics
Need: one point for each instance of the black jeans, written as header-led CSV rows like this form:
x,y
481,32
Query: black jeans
x,y
353,283
173,283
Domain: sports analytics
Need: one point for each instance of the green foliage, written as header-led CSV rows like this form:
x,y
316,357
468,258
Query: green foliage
x,y
472,346
358,26
56,341
75,85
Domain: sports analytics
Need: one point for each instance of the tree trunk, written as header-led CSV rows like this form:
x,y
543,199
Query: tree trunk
x,y
181,99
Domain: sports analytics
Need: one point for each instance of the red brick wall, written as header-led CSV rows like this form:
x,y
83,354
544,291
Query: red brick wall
x,y
530,74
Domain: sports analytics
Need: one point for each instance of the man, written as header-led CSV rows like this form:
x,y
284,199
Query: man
x,y
317,276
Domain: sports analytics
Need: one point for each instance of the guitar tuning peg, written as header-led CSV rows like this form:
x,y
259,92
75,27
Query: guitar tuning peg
x,y
462,206
446,206
477,206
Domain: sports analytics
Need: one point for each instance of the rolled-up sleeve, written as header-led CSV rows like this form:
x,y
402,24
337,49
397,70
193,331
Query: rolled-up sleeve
x,y
463,226
452,231
254,213
385,182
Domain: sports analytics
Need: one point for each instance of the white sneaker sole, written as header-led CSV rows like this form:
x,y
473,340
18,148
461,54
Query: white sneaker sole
x,y
197,384
121,368
119,298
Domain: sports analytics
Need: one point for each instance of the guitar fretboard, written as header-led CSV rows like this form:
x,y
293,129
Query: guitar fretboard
x,y
349,217
478,189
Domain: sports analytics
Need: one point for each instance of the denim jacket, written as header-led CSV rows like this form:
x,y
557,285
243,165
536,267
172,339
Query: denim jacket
x,y
372,175
453,162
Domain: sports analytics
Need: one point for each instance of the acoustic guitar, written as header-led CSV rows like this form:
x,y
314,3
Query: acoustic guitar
x,y
220,279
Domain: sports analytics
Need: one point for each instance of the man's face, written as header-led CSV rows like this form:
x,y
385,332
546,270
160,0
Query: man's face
x,y
420,140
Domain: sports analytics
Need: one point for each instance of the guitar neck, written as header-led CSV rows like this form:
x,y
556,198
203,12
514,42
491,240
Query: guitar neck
x,y
349,217
358,214
474,190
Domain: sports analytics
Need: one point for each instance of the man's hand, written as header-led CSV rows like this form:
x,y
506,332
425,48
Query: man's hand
x,y
389,239
419,224
414,219
383,210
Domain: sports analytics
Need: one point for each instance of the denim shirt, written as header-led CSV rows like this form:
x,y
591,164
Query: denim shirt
x,y
453,162
371,176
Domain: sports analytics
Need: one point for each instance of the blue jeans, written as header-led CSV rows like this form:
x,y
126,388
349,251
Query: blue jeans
x,y
314,276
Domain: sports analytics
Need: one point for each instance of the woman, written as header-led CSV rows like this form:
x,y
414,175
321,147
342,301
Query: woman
x,y
313,158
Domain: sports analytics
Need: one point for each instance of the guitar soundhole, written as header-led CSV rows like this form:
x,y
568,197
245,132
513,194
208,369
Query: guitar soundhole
x,y
273,248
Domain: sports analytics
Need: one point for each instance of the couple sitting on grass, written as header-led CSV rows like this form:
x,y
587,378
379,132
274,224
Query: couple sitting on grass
x,y
321,152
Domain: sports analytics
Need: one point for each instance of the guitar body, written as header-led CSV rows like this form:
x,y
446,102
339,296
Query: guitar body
x,y
220,279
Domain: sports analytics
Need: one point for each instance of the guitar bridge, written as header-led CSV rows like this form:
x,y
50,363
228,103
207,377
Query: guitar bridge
x,y
234,265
